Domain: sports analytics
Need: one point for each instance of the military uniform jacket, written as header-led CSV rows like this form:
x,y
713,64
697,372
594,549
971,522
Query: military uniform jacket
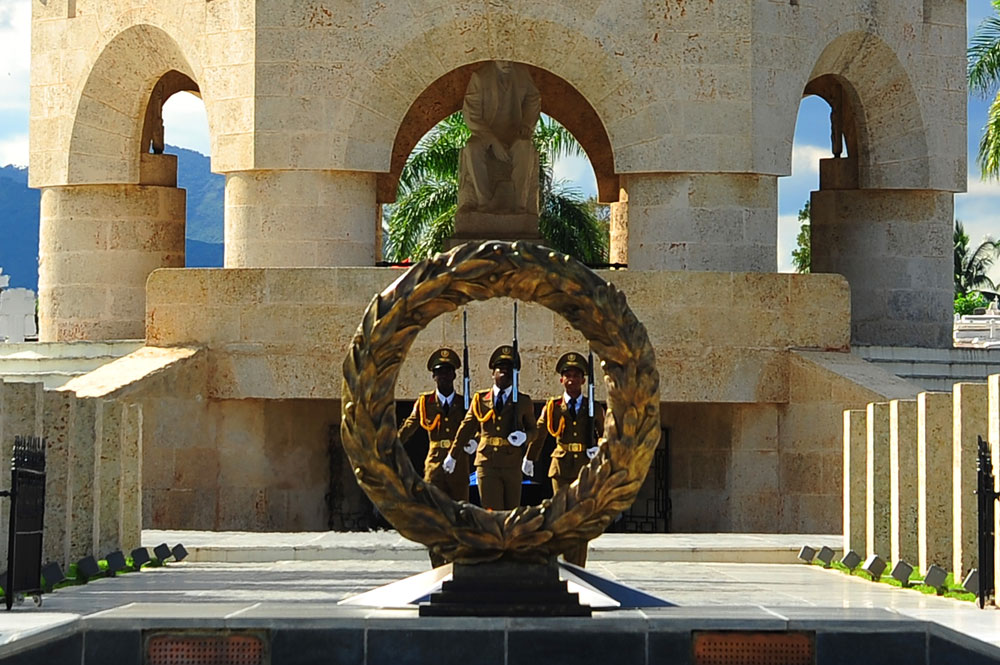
x,y
429,415
570,432
482,422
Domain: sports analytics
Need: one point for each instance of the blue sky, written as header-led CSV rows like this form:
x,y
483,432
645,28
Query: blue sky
x,y
184,119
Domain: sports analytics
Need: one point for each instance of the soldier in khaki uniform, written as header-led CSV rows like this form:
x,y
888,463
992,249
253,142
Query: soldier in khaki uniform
x,y
503,426
439,413
566,417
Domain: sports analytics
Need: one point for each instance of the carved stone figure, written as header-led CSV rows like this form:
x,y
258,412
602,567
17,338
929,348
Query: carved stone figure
x,y
499,165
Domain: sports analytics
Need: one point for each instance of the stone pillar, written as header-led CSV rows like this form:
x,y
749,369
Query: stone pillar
x,y
969,405
877,496
98,244
934,479
107,476
21,407
278,219
57,428
895,249
131,478
84,510
855,464
903,480
618,236
700,221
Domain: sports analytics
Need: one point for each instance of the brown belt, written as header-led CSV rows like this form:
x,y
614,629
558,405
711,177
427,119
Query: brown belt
x,y
444,443
572,447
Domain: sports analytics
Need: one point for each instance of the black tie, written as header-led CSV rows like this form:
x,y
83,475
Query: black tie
x,y
572,407
445,405
499,403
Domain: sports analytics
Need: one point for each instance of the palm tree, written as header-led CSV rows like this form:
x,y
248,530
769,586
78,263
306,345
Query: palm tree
x,y
423,216
971,268
984,77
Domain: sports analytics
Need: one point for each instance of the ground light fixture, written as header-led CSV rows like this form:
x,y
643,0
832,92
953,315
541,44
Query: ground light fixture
x,y
851,560
52,574
874,566
87,568
825,555
971,581
935,577
161,552
140,557
116,562
807,553
178,552
901,572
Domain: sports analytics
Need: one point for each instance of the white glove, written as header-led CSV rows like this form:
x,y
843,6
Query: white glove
x,y
448,464
471,446
517,438
592,452
528,468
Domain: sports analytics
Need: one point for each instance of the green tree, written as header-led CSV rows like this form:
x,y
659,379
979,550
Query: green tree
x,y
984,77
802,254
423,216
971,266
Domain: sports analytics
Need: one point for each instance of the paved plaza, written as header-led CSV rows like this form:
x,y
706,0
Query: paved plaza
x,y
309,573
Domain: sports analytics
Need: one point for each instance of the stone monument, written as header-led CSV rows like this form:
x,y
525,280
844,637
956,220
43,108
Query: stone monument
x,y
498,167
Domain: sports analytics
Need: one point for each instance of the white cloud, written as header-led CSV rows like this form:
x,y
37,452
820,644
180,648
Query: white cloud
x,y
14,150
185,123
15,66
578,171
788,230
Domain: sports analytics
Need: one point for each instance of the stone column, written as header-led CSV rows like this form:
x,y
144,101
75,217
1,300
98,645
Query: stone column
x,y
278,219
57,426
934,479
969,404
855,464
84,509
903,480
107,476
131,477
98,244
700,221
877,495
895,249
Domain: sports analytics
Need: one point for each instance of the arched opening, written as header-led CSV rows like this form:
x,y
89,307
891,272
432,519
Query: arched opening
x,y
575,154
825,155
185,137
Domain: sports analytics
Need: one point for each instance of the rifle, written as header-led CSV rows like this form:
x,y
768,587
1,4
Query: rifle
x,y
517,356
465,359
590,399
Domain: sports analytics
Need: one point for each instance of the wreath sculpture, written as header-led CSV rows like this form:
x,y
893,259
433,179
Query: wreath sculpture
x,y
463,532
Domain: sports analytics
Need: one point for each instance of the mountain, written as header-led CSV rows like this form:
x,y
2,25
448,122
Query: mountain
x,y
19,207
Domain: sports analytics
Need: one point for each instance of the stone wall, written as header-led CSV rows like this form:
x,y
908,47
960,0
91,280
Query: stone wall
x,y
93,469
923,509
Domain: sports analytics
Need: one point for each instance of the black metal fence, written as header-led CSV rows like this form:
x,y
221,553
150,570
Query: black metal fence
x,y
986,498
27,512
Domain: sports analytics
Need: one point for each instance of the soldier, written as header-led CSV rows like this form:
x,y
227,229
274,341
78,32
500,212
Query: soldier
x,y
566,418
503,425
439,413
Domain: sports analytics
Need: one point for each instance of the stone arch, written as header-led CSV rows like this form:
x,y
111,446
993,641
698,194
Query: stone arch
x,y
560,100
891,141
417,53
111,110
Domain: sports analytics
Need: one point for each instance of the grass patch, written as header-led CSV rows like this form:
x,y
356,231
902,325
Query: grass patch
x,y
950,589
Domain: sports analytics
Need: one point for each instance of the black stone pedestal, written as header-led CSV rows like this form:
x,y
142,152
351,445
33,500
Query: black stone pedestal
x,y
505,588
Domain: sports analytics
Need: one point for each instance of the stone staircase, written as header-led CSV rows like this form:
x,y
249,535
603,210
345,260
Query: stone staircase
x,y
54,364
934,369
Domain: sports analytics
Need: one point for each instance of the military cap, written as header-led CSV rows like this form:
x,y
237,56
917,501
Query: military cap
x,y
443,357
505,352
571,359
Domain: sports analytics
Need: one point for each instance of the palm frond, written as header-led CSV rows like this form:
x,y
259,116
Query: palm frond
x,y
415,213
983,69
568,223
989,146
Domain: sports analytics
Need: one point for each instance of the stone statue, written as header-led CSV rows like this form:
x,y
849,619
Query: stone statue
x,y
499,165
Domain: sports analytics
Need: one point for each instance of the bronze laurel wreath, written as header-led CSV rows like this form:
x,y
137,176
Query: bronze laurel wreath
x,y
460,531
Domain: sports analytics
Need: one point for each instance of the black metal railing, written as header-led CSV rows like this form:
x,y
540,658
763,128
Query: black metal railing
x,y
27,512
986,498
